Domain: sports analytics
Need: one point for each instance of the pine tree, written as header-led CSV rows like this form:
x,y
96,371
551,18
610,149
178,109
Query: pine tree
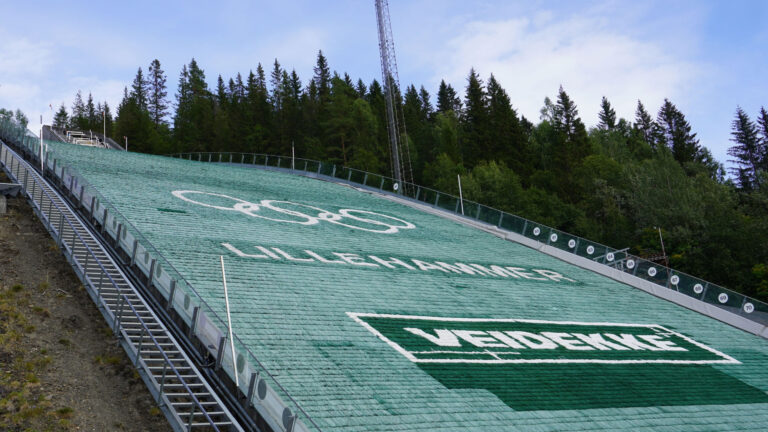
x,y
747,151
475,140
275,80
194,121
675,133
426,105
92,120
157,101
607,116
361,89
107,116
78,119
322,77
762,122
139,90
566,116
447,99
645,125
506,137
571,144
61,119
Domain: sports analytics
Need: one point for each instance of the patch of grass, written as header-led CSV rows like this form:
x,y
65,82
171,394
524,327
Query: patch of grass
x,y
154,411
112,360
17,288
65,412
66,342
43,312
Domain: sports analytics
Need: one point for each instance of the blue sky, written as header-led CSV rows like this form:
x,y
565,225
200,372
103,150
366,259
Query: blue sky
x,y
705,56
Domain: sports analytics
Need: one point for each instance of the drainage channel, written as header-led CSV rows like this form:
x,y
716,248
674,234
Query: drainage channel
x,y
184,396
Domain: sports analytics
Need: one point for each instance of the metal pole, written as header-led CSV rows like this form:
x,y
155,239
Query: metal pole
x,y
229,321
42,169
104,115
663,252
461,196
126,143
293,157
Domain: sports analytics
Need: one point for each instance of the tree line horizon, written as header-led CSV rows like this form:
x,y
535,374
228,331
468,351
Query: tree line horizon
x,y
615,183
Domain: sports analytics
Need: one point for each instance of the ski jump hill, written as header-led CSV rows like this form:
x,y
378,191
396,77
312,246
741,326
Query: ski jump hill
x,y
353,311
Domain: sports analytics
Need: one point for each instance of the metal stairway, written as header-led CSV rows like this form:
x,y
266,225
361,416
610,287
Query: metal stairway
x,y
186,399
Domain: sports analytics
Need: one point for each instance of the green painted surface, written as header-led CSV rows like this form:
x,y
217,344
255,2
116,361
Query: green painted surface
x,y
291,307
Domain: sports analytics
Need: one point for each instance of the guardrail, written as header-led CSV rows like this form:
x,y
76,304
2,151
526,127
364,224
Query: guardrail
x,y
699,289
259,386
57,221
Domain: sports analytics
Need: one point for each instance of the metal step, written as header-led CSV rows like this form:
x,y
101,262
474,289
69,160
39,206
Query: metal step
x,y
170,374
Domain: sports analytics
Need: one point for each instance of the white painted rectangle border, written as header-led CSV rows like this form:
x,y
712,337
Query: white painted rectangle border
x,y
359,318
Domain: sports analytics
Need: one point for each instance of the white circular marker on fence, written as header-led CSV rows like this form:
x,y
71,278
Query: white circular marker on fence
x,y
609,256
536,231
674,280
652,271
630,264
698,288
749,307
395,187
590,250
571,243
553,237
722,298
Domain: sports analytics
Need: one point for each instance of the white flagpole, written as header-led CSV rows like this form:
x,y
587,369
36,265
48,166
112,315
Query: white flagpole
x,y
229,322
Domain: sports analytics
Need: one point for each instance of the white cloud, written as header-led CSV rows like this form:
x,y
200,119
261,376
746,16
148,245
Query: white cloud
x,y
531,58
23,58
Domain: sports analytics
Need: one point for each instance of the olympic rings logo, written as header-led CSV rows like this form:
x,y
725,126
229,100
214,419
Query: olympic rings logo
x,y
269,209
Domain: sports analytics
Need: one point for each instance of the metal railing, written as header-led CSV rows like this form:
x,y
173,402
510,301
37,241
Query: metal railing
x,y
620,259
57,221
262,390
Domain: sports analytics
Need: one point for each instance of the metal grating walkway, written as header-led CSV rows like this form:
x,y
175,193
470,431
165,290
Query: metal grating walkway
x,y
185,397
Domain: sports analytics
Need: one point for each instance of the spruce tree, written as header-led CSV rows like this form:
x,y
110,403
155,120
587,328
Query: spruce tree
x,y
645,125
675,133
426,105
139,90
505,134
762,122
570,145
92,120
322,77
566,116
61,119
107,113
475,144
607,116
158,93
361,88
447,99
275,81
78,119
747,151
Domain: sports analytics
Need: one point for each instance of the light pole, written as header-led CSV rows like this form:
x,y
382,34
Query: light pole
x,y
126,143
104,115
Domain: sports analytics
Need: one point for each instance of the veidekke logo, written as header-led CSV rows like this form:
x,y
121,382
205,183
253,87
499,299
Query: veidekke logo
x,y
472,340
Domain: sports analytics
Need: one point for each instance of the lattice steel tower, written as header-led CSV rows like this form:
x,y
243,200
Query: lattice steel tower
x,y
398,140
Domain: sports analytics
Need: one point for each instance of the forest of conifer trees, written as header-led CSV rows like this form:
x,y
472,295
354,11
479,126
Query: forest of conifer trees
x,y
616,183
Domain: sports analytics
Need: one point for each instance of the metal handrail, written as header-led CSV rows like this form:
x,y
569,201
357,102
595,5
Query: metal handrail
x,y
166,362
698,288
44,194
